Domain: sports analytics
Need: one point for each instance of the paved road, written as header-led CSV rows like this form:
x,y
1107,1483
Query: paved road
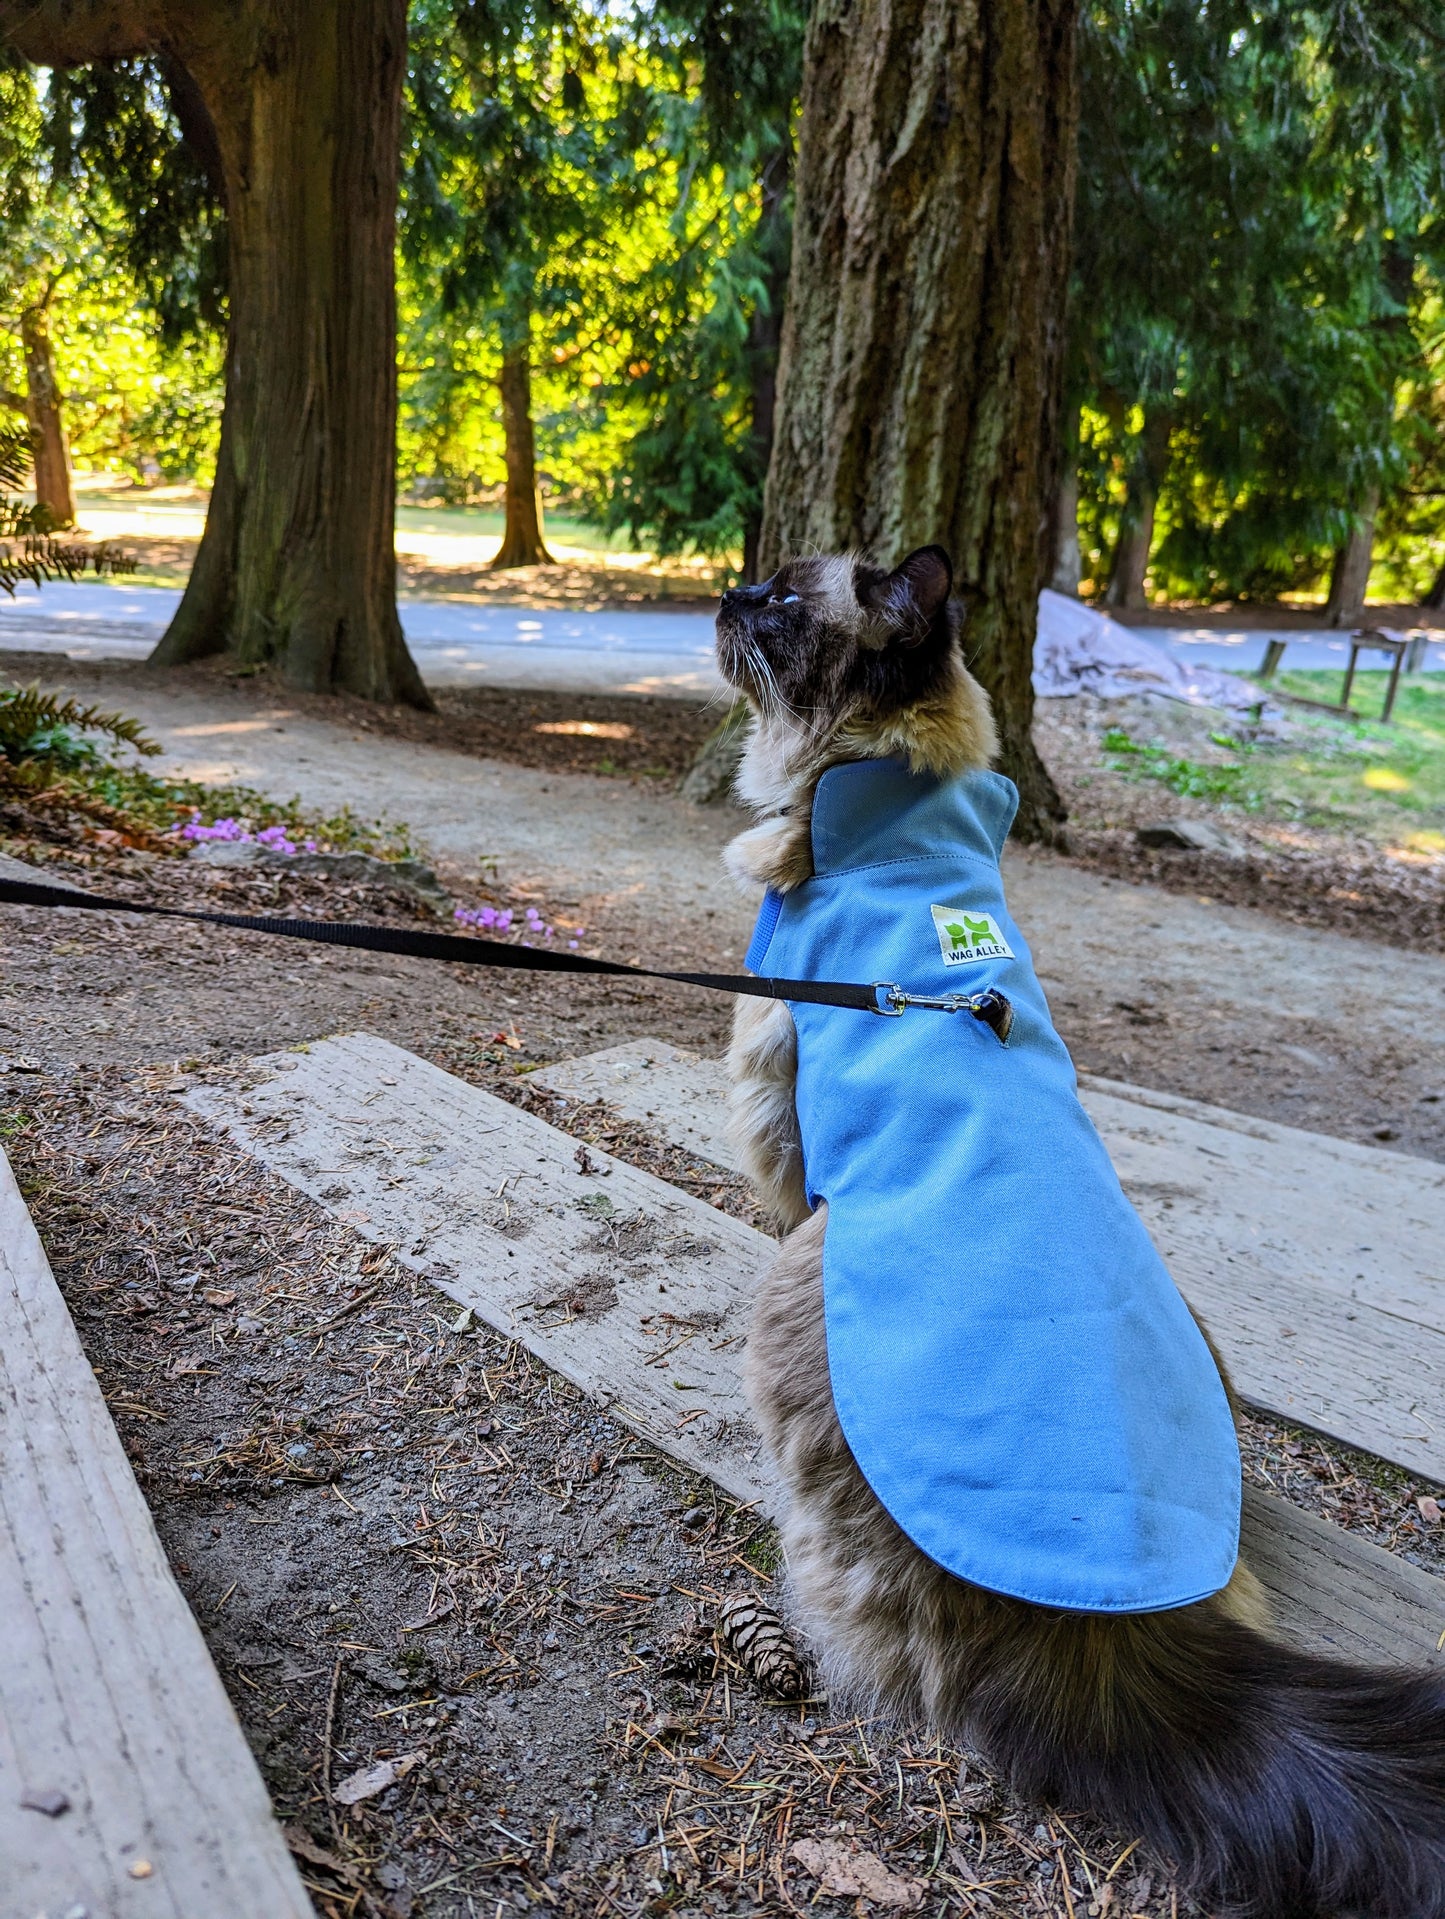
x,y
461,643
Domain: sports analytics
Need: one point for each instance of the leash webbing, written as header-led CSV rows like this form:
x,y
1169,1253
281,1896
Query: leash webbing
x,y
880,997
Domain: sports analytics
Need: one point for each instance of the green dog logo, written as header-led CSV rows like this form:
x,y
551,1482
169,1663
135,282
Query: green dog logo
x,y
964,937
971,933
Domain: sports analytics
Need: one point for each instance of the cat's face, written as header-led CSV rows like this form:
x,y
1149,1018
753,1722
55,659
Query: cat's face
x,y
829,638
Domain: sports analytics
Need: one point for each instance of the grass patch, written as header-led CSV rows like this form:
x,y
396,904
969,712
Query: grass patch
x,y
1386,782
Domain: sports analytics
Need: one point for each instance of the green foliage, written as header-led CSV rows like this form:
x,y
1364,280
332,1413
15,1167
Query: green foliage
x,y
105,218
114,141
614,191
1191,779
1260,256
42,727
36,555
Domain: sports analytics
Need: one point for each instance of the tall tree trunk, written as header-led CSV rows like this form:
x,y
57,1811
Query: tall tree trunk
x,y
1067,557
1350,574
1136,523
51,451
297,563
919,383
765,334
522,543
1435,598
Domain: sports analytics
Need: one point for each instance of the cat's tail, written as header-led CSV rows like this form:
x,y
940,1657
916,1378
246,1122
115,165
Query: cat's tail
x,y
1282,1785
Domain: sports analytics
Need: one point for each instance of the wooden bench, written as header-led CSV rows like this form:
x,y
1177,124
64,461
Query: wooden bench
x,y
640,1294
127,1789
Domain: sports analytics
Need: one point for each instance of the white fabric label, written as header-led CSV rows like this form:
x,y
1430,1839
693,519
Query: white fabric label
x,y
965,936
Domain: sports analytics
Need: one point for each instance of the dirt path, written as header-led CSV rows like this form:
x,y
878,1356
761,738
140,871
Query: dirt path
x,y
1334,1033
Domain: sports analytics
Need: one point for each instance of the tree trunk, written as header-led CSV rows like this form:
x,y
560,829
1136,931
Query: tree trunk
x,y
51,452
1435,598
522,543
297,563
1136,523
1350,574
1068,559
919,382
765,333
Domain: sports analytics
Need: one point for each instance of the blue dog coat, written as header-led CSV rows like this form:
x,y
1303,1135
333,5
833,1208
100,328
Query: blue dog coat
x,y
1017,1375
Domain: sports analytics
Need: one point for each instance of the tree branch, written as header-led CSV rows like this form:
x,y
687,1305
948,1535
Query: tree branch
x,y
15,401
73,33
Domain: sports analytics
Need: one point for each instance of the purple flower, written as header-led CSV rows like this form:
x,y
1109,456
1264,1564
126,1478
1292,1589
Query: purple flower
x,y
504,919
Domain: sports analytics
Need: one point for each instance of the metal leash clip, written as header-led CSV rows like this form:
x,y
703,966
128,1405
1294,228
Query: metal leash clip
x,y
992,1007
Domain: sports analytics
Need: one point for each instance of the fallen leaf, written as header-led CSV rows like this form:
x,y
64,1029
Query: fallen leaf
x,y
305,1847
141,1869
1429,1509
853,1873
218,1296
465,1320
371,1780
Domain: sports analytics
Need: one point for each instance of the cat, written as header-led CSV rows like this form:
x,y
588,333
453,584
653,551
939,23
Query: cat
x,y
1280,1783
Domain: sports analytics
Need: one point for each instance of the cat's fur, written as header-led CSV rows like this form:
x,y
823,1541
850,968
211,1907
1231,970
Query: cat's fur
x,y
1282,1785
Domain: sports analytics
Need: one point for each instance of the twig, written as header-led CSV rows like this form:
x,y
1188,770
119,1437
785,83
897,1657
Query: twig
x,y
326,1749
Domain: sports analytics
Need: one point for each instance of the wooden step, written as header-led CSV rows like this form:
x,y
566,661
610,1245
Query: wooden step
x,y
1249,1218
108,1697
640,1294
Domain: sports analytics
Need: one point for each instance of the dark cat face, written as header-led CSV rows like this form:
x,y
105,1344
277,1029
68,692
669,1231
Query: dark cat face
x,y
829,637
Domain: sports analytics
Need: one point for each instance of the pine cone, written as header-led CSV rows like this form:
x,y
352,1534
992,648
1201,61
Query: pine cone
x,y
756,1633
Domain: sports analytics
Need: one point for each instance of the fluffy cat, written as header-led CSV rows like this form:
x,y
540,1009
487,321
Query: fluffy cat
x,y
1282,1784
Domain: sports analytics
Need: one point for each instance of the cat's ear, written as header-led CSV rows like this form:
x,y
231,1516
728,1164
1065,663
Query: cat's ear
x,y
926,576
903,603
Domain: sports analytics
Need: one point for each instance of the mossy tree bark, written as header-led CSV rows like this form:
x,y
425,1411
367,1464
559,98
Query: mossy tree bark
x,y
50,448
1130,565
920,378
1350,572
297,564
522,542
765,333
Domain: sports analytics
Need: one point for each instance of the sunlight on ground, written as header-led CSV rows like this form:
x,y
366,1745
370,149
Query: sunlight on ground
x,y
439,536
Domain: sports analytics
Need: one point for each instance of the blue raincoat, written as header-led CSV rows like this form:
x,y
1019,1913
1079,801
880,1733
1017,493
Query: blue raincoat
x,y
1017,1375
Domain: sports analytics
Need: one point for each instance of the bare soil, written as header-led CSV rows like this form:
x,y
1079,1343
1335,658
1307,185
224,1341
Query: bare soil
x,y
409,1543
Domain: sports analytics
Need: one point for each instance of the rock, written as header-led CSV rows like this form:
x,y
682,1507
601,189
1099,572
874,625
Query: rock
x,y
231,853
1191,836
709,779
414,875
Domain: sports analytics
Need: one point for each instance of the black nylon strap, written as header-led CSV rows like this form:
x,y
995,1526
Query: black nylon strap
x,y
450,946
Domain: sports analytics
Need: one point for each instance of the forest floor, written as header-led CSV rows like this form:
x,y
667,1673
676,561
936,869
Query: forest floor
x,y
419,1539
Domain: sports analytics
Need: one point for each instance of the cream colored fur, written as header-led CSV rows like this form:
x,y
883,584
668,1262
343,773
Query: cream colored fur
x,y
951,732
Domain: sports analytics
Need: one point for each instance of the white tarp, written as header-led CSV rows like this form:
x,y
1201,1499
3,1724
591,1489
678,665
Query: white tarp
x,y
1080,651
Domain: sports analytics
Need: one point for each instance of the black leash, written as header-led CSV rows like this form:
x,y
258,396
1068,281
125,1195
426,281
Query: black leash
x,y
883,996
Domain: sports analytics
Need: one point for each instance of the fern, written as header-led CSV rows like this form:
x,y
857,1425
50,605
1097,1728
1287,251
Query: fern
x,y
14,455
38,556
38,727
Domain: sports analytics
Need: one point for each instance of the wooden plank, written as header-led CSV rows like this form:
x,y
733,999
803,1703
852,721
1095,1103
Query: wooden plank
x,y
107,1692
1345,1364
1364,1224
640,1294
